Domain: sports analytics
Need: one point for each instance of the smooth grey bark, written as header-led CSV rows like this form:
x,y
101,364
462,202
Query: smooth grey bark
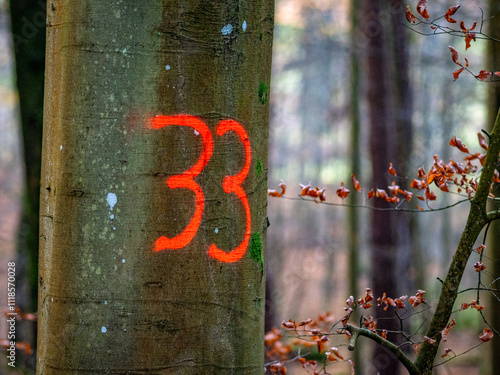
x,y
110,303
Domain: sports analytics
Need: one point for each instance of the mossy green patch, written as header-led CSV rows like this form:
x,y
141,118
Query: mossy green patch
x,y
256,249
259,168
263,92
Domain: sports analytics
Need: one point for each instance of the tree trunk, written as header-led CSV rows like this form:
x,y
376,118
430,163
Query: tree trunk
x,y
403,110
353,213
154,187
382,124
28,29
12,172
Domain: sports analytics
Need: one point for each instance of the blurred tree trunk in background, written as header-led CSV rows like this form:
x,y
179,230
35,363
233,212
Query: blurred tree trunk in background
x,y
353,240
403,111
28,29
130,278
389,101
12,172
382,151
493,245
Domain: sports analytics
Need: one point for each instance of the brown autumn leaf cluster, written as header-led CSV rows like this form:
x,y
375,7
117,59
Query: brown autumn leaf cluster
x,y
276,193
24,346
473,304
316,332
447,329
468,32
461,175
316,193
487,335
19,314
310,332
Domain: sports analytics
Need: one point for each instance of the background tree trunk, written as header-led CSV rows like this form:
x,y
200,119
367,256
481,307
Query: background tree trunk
x,y
355,154
28,29
390,141
108,301
403,110
12,172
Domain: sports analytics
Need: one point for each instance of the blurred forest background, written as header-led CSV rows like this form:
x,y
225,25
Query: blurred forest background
x,y
322,86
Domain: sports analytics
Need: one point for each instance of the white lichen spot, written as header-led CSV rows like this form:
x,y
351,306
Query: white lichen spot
x,y
104,329
167,67
228,29
244,26
216,230
196,132
111,199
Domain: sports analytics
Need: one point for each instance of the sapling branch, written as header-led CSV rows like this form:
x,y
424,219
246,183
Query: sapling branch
x,y
356,332
476,221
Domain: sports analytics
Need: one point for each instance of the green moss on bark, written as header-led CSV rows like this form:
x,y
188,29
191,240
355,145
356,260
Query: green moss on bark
x,y
263,92
259,168
256,248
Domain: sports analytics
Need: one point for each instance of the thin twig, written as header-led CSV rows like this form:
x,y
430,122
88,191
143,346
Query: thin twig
x,y
412,210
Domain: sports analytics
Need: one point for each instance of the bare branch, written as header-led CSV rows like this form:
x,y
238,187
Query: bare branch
x,y
356,332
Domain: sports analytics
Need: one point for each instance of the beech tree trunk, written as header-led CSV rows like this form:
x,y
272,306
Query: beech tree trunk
x,y
154,187
390,136
353,239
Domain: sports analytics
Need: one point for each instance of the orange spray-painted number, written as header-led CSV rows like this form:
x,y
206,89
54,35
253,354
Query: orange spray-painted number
x,y
230,184
186,179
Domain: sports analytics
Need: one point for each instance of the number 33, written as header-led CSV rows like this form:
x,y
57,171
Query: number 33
x,y
230,184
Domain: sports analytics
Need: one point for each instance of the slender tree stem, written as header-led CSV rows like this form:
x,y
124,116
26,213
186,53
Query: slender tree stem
x,y
356,332
477,219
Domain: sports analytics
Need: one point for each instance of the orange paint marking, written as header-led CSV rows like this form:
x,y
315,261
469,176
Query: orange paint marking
x,y
186,179
232,184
